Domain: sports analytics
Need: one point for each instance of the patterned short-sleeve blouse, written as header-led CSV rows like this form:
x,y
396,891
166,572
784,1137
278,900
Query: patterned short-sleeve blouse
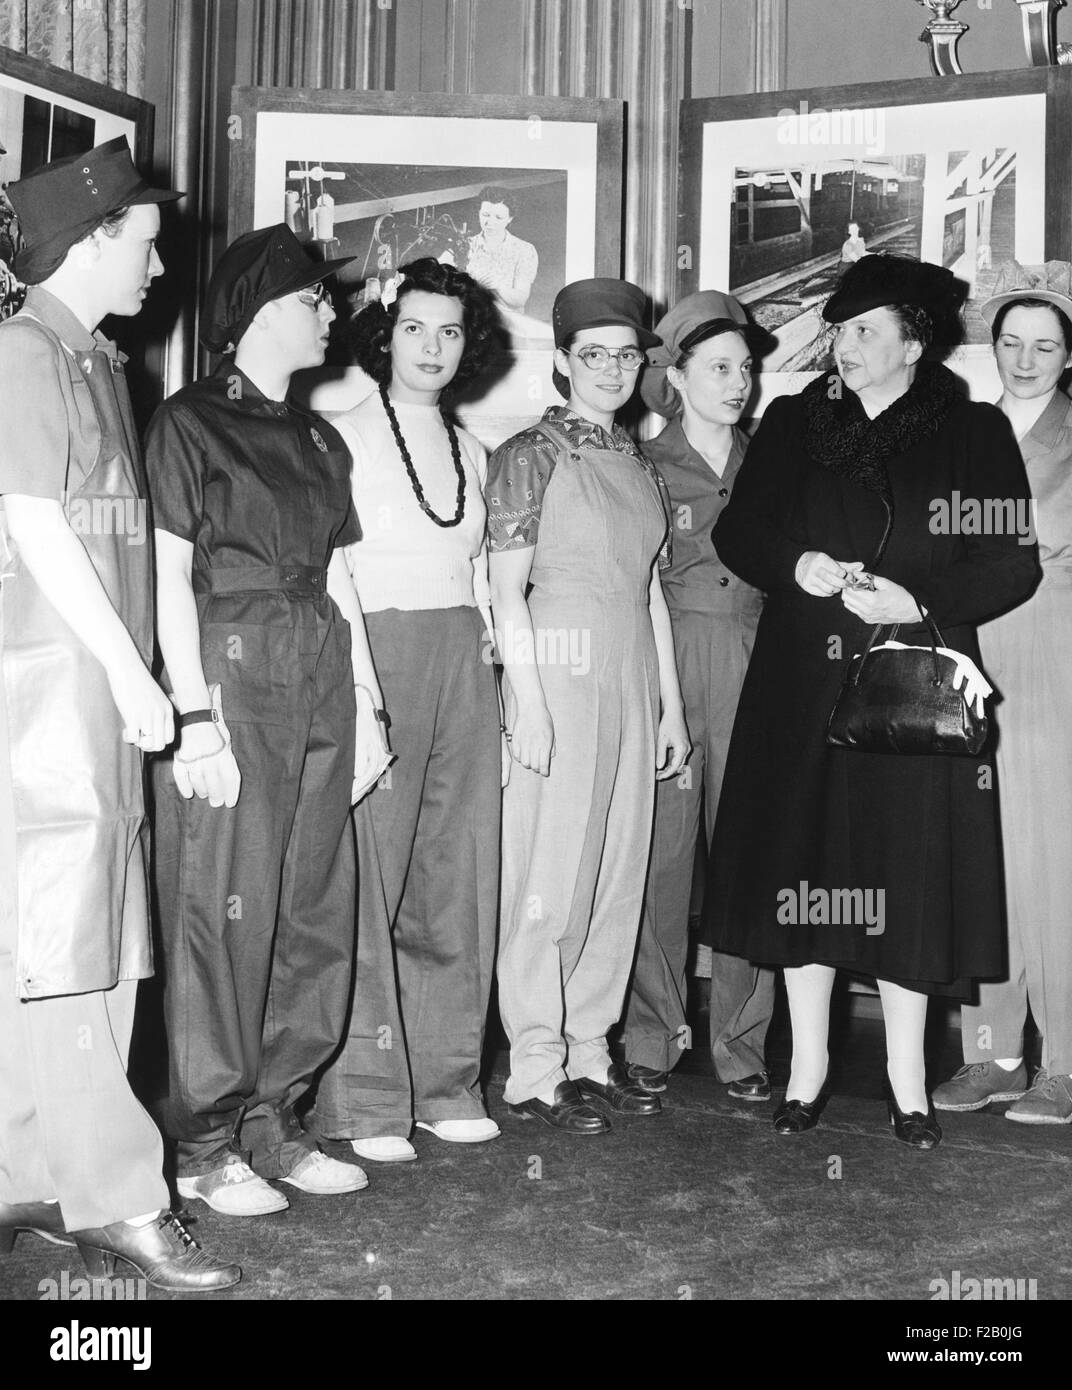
x,y
519,472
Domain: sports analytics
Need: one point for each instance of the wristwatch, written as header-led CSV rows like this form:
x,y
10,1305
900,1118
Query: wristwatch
x,y
378,713
198,716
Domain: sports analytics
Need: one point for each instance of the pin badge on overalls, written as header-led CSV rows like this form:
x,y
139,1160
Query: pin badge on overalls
x,y
318,440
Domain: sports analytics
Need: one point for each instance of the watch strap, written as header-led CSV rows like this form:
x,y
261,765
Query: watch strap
x,y
198,716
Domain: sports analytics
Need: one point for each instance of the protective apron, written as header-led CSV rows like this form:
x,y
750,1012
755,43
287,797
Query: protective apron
x,y
74,808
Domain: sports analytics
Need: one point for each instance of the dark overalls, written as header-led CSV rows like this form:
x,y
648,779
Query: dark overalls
x,y
256,903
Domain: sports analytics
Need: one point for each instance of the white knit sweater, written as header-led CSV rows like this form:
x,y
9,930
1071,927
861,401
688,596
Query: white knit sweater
x,y
404,560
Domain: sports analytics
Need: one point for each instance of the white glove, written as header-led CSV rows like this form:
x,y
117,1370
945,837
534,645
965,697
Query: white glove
x,y
204,764
976,686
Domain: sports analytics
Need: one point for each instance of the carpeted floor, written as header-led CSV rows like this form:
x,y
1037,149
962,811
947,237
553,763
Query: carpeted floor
x,y
702,1202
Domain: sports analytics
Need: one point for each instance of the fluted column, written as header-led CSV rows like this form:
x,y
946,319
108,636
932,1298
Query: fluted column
x,y
323,43
653,68
188,47
772,18
636,50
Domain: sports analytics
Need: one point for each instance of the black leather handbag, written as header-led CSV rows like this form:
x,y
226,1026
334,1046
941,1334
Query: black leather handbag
x,y
902,700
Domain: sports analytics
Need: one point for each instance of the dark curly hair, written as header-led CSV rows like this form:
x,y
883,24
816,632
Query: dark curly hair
x,y
368,334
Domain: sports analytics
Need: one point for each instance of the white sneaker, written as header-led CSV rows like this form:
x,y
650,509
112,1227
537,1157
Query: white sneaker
x,y
325,1177
389,1148
235,1190
462,1131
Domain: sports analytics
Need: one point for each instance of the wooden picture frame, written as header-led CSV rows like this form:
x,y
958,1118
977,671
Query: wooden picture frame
x,y
46,113
968,171
387,177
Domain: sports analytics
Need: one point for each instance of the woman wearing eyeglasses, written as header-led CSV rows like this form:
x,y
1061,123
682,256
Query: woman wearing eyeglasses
x,y
577,525
267,660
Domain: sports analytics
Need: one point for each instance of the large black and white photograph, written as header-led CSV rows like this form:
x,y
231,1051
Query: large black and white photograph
x,y
785,201
506,229
535,641
523,196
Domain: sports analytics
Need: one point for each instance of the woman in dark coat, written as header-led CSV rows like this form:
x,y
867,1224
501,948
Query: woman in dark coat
x,y
888,866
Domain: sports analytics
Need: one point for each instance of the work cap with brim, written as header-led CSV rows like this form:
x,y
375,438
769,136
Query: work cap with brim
x,y
876,281
255,269
684,327
1052,283
597,303
63,202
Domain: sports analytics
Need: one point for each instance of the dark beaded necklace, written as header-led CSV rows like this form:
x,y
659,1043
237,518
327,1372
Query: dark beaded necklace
x,y
415,482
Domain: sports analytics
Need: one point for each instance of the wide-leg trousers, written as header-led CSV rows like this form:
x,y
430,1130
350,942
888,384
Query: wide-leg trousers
x,y
256,903
712,650
427,901
71,1129
1028,655
575,848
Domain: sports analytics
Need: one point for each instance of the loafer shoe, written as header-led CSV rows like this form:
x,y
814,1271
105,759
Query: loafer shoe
x,y
977,1084
388,1148
325,1177
235,1190
623,1096
648,1078
1049,1102
567,1111
796,1116
754,1087
475,1131
44,1219
163,1253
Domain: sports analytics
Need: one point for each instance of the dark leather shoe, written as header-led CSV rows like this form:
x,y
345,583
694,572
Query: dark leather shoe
x,y
164,1254
622,1095
567,1111
754,1087
44,1219
647,1078
796,1116
921,1131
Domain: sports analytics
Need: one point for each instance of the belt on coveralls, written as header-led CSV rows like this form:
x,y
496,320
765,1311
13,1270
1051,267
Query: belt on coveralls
x,y
241,579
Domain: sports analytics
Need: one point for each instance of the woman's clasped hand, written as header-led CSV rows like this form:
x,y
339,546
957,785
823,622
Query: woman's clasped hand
x,y
887,602
204,764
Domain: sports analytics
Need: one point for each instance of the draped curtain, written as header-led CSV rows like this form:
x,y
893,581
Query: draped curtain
x,y
100,39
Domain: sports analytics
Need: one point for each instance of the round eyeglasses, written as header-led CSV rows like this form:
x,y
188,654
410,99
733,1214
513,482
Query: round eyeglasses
x,y
315,295
595,357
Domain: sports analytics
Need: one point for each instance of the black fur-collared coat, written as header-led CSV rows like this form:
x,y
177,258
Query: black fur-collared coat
x,y
796,815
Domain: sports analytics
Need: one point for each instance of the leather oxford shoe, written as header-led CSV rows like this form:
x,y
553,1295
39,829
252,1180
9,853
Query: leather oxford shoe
x,y
648,1078
567,1111
622,1095
754,1087
796,1116
163,1253
44,1219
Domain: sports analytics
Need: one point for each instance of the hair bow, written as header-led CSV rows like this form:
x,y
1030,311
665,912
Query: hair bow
x,y
389,293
